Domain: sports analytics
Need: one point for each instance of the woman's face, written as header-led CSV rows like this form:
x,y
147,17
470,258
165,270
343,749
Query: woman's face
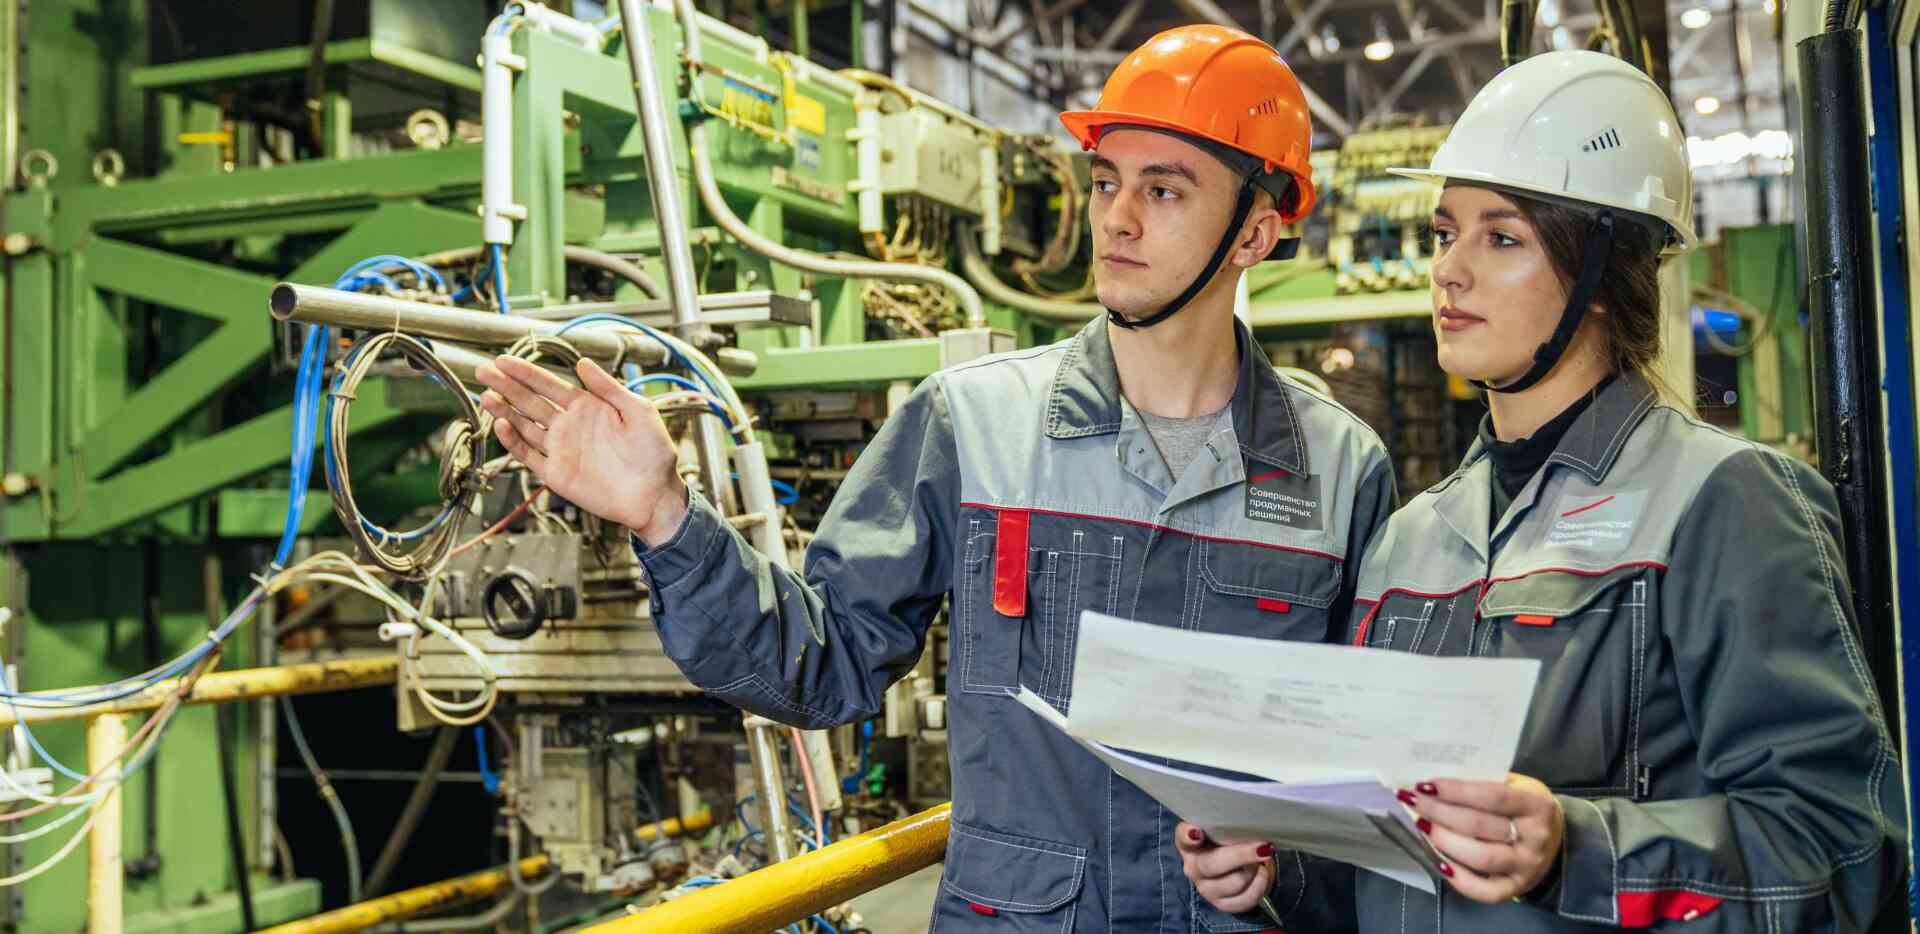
x,y
1496,297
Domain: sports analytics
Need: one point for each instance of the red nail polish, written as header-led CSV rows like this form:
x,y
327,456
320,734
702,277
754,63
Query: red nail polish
x,y
1195,835
1265,850
1426,826
1426,788
1446,870
1407,798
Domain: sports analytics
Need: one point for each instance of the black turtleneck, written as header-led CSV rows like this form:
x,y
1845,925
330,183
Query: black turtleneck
x,y
1515,462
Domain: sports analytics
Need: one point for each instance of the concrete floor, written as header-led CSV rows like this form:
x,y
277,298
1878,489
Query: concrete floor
x,y
901,907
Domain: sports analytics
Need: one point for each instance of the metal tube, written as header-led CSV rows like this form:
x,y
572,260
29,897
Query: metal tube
x,y
221,686
314,305
981,275
402,905
497,210
770,781
785,892
1845,360
662,183
106,737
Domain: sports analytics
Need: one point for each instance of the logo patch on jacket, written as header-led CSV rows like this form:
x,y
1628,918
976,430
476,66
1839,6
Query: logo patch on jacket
x,y
1596,521
1283,498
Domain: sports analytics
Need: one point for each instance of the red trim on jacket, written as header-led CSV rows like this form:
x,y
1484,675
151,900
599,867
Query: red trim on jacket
x,y
1645,909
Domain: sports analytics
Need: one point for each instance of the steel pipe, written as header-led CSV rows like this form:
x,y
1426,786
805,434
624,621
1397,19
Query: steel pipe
x,y
785,892
222,686
650,104
403,905
310,304
981,275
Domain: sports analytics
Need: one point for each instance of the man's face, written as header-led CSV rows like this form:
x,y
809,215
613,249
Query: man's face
x,y
1159,206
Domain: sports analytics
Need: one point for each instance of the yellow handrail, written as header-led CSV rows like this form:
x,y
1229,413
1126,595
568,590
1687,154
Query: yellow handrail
x,y
402,905
785,892
220,686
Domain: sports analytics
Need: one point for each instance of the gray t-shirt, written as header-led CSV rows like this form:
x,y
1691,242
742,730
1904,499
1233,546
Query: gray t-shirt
x,y
1180,439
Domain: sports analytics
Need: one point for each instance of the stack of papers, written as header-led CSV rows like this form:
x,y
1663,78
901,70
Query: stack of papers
x,y
1327,734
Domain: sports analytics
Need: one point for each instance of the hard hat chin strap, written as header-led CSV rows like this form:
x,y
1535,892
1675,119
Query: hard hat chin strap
x,y
1241,209
1593,264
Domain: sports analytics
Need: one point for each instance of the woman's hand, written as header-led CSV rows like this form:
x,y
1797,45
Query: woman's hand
x,y
1506,835
1231,877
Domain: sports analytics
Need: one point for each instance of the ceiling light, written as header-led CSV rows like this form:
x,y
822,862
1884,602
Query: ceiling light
x,y
1706,105
1548,13
1773,6
1379,50
1696,18
1330,40
1562,38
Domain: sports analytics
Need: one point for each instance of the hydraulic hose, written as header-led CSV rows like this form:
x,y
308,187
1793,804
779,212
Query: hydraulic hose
x,y
981,274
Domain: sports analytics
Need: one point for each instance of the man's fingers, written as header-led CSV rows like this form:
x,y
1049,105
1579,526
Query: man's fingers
x,y
520,395
518,447
538,379
609,390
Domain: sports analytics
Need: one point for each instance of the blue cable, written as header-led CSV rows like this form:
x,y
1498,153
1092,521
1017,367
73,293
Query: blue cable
x,y
422,270
790,496
668,378
677,356
636,385
489,779
499,277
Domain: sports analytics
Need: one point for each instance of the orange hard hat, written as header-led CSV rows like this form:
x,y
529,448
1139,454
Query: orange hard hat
x,y
1218,84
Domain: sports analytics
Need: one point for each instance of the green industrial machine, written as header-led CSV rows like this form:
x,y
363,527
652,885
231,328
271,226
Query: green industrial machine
x,y
170,161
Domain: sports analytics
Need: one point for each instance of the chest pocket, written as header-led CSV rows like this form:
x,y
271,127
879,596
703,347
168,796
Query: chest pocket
x,y
1589,633
1070,568
1266,593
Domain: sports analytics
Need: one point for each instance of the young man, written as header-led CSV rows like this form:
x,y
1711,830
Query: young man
x,y
1154,466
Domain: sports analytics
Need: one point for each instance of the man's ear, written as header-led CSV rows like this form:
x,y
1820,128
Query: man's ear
x,y
1259,234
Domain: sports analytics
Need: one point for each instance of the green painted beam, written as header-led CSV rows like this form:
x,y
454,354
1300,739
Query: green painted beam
x,y
844,365
179,282
203,467
294,59
257,194
263,513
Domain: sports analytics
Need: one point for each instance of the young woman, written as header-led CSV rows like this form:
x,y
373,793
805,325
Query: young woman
x,y
1704,745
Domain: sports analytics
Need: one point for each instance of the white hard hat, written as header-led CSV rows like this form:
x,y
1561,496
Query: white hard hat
x,y
1579,126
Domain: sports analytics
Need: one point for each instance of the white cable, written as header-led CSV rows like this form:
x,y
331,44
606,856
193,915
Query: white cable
x,y
47,827
62,853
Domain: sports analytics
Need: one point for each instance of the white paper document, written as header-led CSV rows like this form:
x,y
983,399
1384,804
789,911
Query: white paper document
x,y
1333,731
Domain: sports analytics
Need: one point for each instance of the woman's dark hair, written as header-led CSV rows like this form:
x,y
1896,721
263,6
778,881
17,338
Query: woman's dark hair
x,y
1630,287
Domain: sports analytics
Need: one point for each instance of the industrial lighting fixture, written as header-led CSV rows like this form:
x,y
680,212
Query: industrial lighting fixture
x,y
1562,38
1705,106
1696,18
1381,48
1330,40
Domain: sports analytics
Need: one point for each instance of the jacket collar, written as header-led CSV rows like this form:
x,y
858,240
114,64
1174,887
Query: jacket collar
x,y
1594,441
1085,399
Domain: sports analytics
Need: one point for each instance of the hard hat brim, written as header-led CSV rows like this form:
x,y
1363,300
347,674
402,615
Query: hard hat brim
x,y
1684,240
1085,126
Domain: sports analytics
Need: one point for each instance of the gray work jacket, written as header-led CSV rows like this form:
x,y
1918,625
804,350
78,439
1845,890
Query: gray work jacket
x,y
1704,712
1025,489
